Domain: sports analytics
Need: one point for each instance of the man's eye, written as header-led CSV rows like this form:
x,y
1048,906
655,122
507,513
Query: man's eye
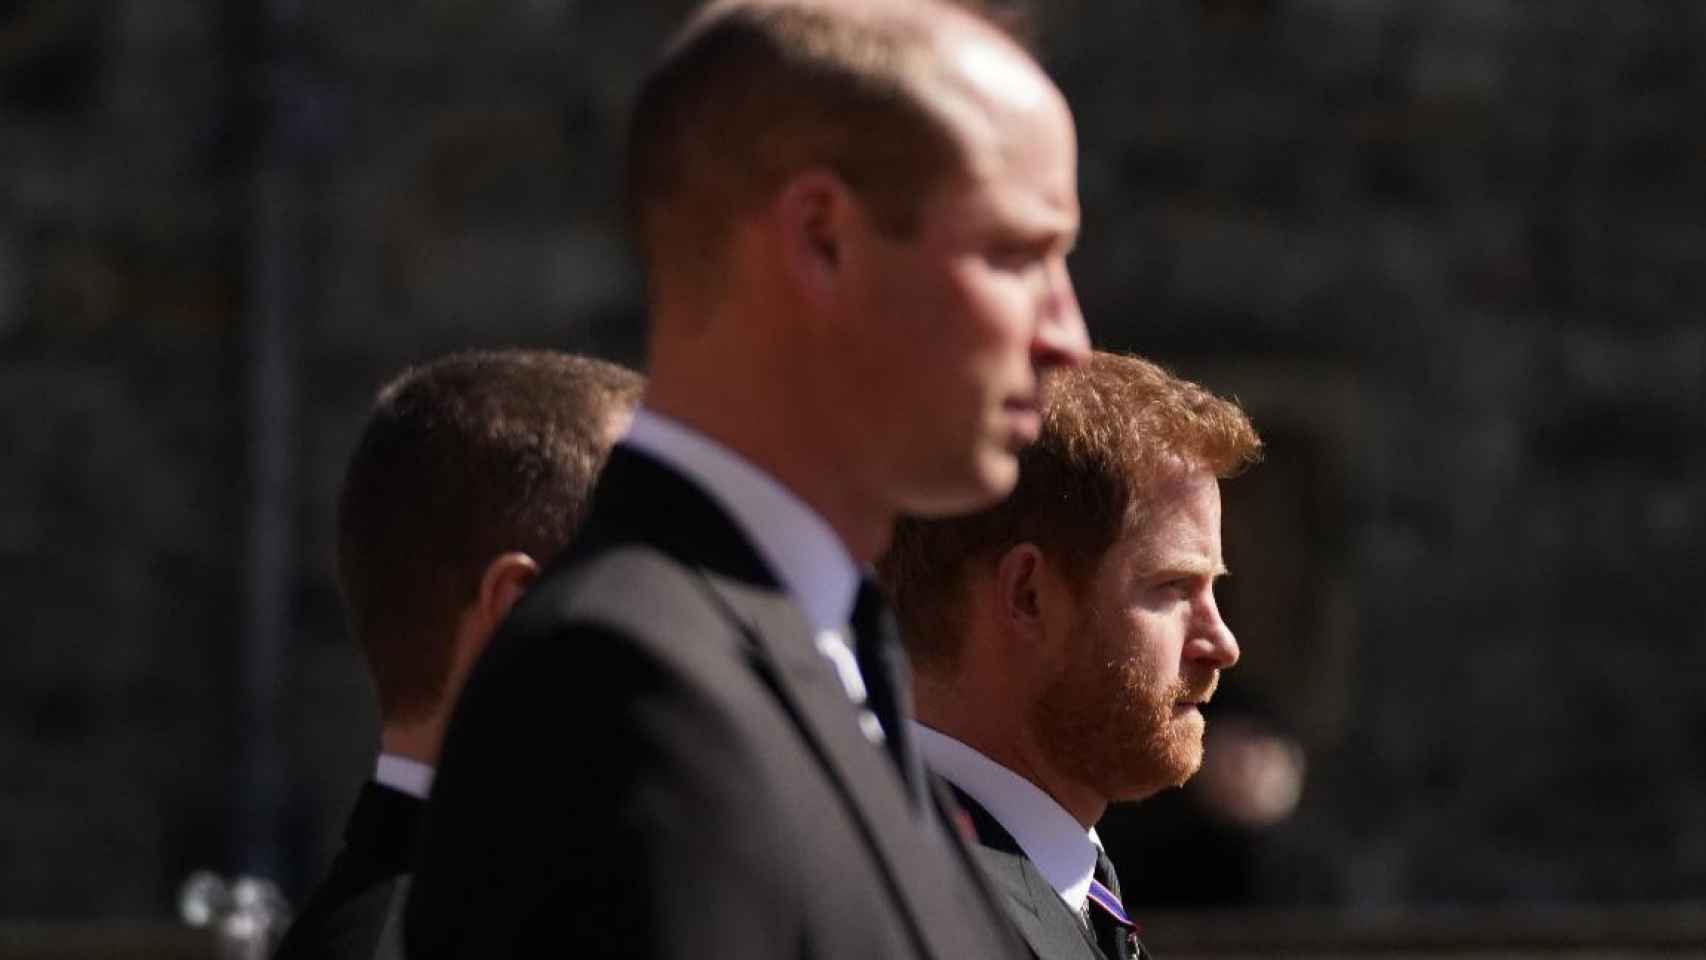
x,y
1014,256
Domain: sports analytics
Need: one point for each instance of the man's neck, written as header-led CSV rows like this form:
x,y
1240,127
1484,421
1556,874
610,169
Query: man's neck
x,y
413,741
801,549
1014,749
764,435
1061,847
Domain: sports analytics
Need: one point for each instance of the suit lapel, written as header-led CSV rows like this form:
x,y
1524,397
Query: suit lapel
x,y
1041,917
695,531
390,945
962,836
384,830
807,686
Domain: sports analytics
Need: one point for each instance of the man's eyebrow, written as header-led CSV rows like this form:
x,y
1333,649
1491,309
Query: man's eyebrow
x,y
1193,566
1055,237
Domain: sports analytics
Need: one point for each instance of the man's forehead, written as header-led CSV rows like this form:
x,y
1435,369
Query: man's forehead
x,y
1176,523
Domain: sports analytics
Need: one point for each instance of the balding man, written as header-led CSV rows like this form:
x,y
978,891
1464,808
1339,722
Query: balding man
x,y
1066,639
692,739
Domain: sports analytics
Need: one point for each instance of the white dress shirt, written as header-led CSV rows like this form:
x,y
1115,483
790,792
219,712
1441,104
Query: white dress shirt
x,y
408,776
1062,849
795,542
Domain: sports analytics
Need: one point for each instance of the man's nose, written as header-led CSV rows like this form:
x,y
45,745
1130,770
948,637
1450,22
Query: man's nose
x,y
1062,340
1213,641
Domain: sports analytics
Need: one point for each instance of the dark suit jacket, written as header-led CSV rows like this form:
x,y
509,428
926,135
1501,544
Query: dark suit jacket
x,y
346,916
653,760
1050,928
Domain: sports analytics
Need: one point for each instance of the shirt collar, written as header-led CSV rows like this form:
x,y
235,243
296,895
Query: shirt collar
x,y
798,545
1062,850
402,774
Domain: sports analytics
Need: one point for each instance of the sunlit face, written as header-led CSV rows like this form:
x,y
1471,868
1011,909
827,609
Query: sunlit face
x,y
958,320
1146,646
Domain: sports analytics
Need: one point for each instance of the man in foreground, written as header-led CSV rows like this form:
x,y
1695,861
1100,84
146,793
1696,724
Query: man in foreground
x,y
1065,640
690,740
471,471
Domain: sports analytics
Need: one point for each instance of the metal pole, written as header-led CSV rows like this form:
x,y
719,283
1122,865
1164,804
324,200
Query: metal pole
x,y
275,278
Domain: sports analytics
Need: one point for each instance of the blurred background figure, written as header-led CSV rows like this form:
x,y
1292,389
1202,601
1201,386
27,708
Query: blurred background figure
x,y
472,473
1252,775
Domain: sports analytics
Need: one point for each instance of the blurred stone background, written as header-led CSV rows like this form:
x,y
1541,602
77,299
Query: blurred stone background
x,y
1450,253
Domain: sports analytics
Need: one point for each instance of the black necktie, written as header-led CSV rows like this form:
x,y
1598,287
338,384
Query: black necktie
x,y
888,686
1113,930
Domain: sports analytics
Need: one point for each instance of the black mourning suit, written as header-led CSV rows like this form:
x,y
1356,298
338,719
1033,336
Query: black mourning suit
x,y
348,915
653,760
1048,925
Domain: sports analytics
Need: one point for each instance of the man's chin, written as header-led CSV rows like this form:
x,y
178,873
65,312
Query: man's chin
x,y
988,481
998,471
1187,770
1170,772
1000,474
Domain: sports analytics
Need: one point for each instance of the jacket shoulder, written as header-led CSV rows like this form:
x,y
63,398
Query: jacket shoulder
x,y
632,591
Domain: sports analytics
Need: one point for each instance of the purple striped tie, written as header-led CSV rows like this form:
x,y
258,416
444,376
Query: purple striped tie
x,y
1115,932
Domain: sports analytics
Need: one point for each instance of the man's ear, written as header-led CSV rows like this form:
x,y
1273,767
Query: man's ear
x,y
506,578
1019,590
813,210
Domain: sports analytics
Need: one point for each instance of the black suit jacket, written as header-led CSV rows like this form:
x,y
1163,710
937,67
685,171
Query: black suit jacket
x,y
653,760
1050,929
346,916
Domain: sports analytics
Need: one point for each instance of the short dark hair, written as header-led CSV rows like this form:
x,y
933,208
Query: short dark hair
x,y
750,96
463,459
1111,428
